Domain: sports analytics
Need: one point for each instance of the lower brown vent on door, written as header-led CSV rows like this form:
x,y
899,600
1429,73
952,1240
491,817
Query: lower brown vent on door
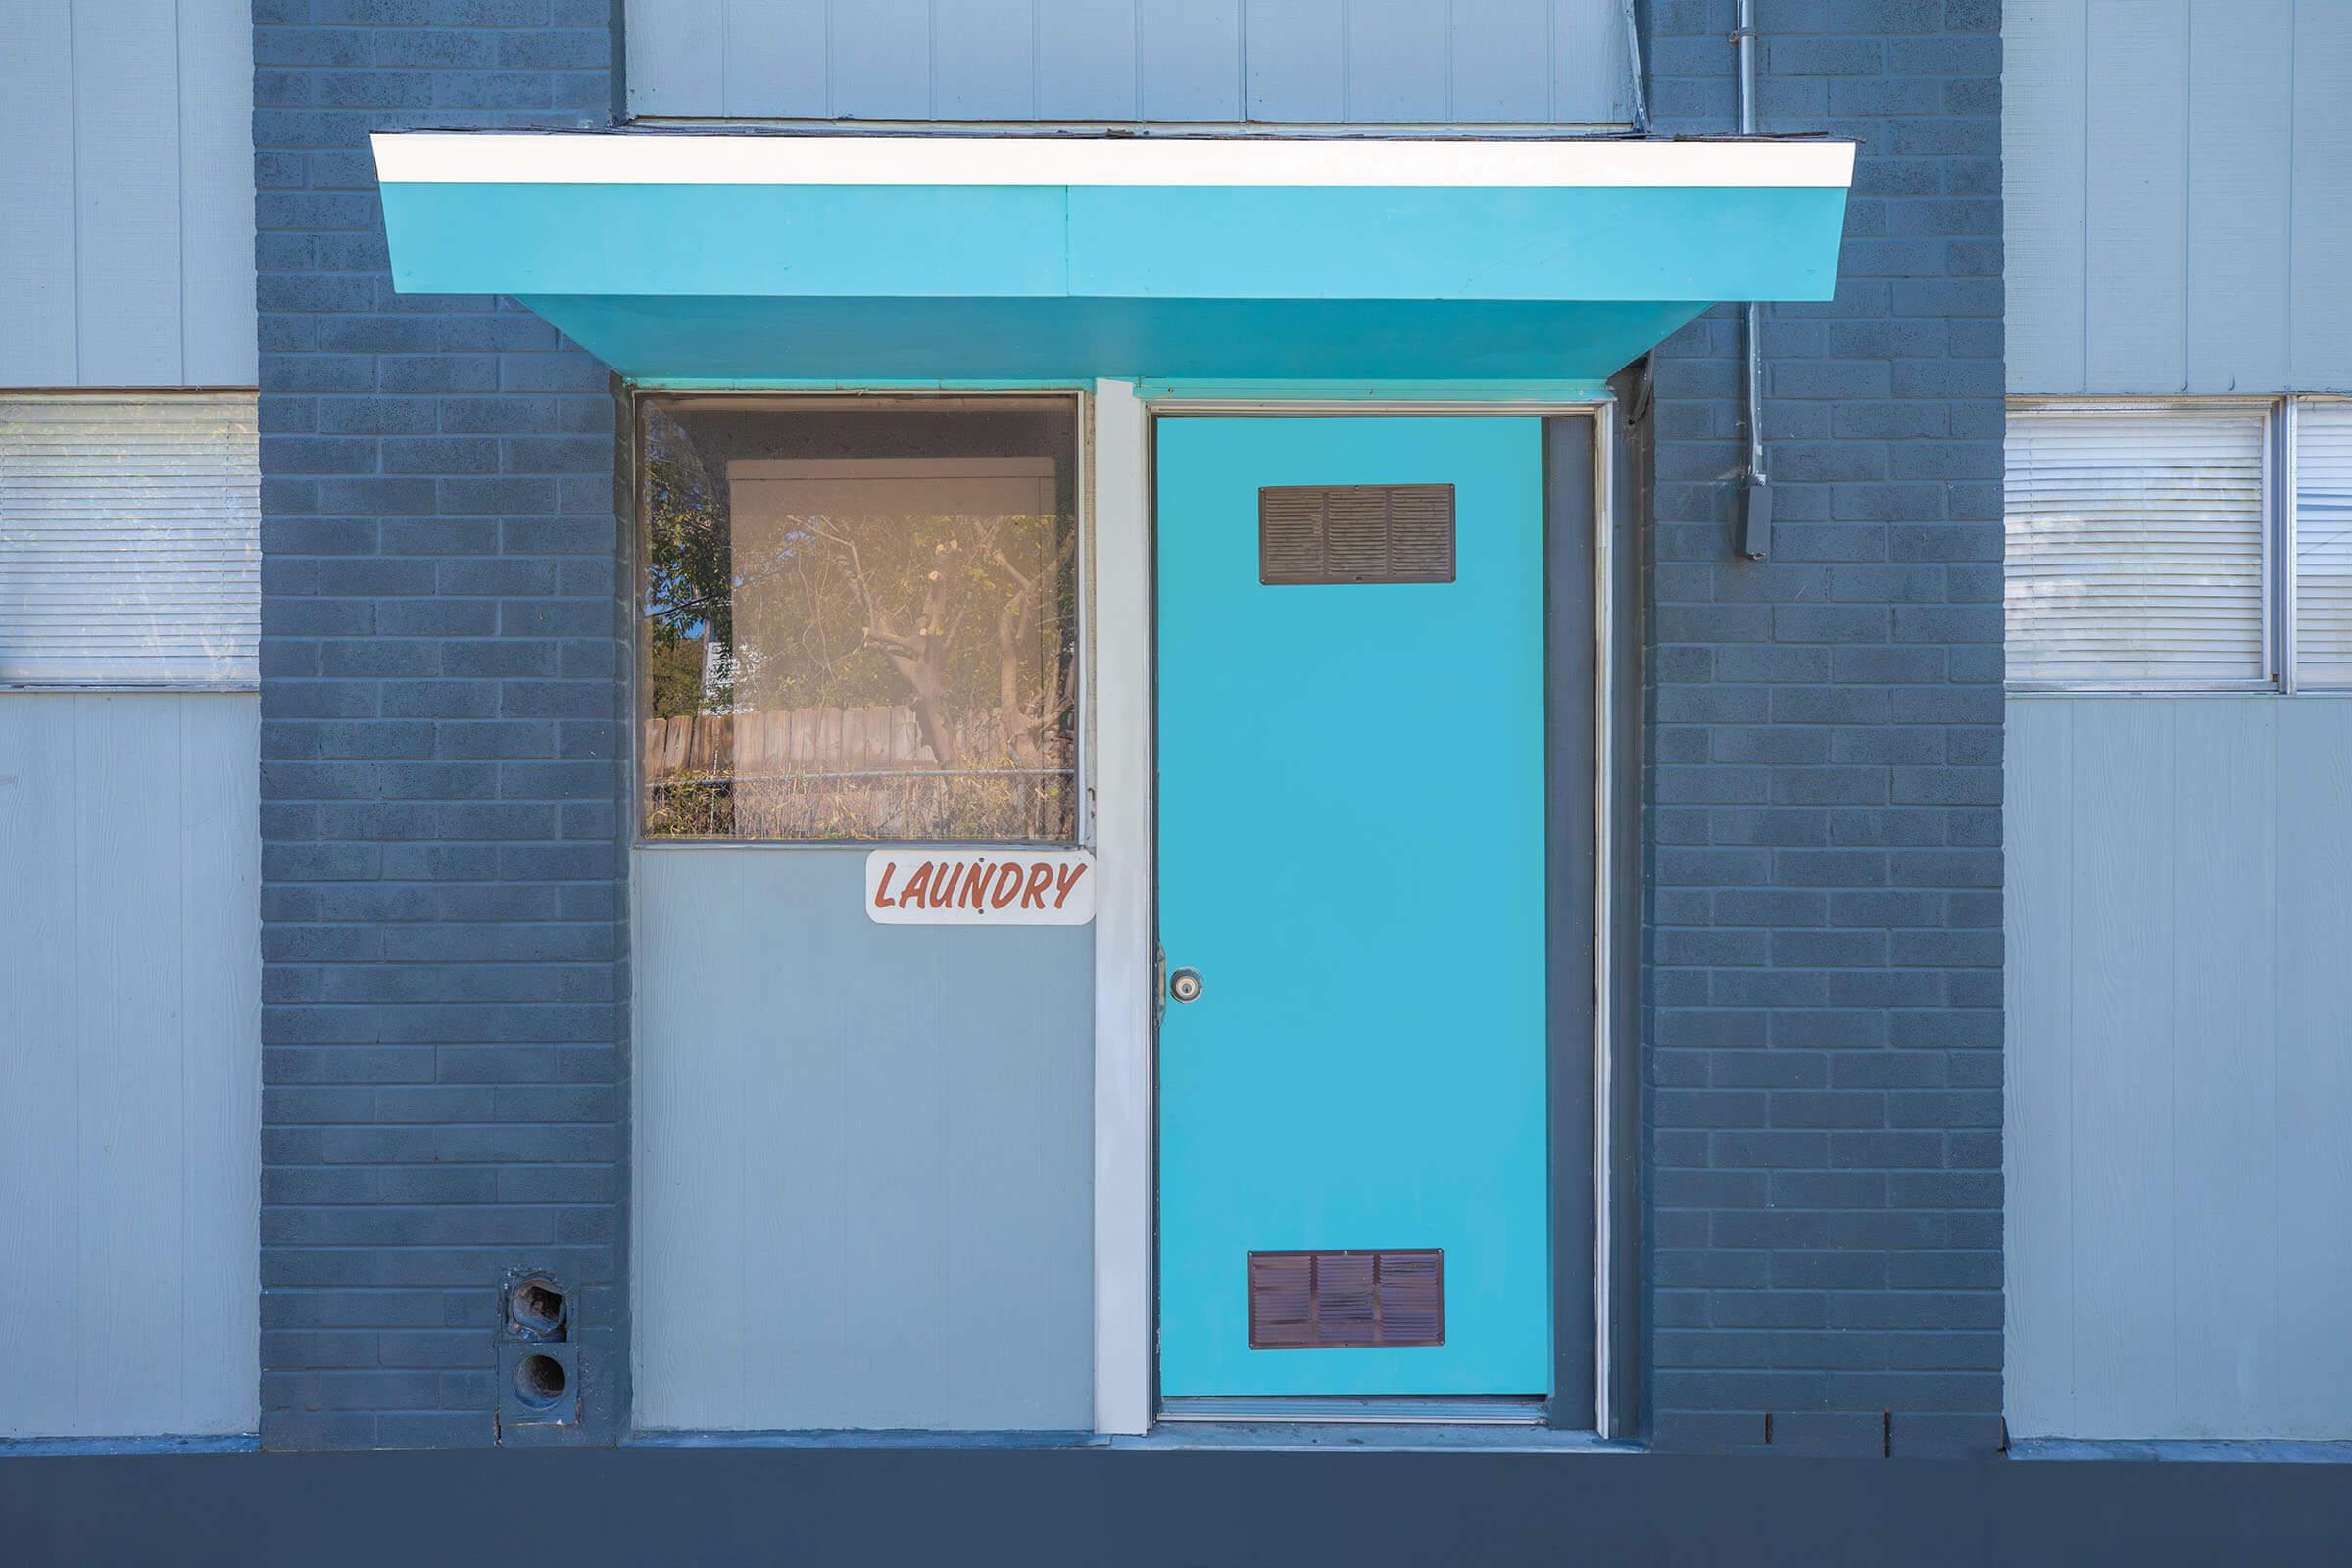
x,y
1323,1300
1346,533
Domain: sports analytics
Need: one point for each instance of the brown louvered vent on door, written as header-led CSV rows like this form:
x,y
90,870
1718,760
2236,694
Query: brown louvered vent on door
x,y
1325,1300
1349,533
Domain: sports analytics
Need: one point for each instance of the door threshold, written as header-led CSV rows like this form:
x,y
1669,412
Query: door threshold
x,y
1358,1409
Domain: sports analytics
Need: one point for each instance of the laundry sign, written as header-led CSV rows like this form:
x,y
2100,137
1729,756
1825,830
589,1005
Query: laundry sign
x,y
980,887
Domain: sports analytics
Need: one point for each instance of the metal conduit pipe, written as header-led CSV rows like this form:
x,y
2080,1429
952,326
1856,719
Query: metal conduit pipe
x,y
1756,488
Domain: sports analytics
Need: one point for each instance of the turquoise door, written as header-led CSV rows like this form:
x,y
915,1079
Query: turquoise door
x,y
1351,853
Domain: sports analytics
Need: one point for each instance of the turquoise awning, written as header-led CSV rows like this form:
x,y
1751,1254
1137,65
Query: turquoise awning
x,y
674,255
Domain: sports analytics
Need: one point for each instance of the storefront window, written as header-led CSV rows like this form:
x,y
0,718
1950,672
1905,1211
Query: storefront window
x,y
859,618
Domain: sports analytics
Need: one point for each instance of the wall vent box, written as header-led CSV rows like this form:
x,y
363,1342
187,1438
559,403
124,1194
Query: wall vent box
x,y
1328,1300
1755,519
1354,533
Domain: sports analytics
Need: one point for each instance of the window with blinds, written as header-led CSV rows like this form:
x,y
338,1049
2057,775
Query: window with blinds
x,y
2323,585
129,540
2136,546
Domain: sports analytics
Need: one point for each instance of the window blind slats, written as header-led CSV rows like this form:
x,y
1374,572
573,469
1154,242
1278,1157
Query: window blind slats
x,y
2324,544
2135,546
129,540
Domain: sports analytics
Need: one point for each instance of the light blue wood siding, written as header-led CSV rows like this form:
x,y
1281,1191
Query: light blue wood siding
x,y
2177,177
131,1065
864,1156
1317,62
126,185
2179,916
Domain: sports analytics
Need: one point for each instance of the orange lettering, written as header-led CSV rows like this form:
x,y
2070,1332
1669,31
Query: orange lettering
x,y
1041,877
918,888
948,886
882,887
975,887
1064,880
1009,884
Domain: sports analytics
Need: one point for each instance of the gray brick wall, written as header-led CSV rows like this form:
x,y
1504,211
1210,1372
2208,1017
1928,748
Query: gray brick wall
x,y
444,965
1823,784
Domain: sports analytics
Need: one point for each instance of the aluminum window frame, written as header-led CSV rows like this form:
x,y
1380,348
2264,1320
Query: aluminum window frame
x,y
2290,531
1079,396
2276,556
241,683
2281,577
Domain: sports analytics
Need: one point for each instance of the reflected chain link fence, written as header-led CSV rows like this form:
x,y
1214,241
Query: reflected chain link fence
x,y
844,774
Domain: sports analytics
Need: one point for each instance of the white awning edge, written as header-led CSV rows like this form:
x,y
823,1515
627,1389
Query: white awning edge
x,y
661,158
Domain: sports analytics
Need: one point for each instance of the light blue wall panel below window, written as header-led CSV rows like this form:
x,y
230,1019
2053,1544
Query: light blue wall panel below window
x,y
865,1156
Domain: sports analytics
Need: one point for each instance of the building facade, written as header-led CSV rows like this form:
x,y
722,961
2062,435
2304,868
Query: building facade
x,y
1099,722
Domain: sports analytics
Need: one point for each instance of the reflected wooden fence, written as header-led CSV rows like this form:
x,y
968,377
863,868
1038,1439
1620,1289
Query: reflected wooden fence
x,y
841,773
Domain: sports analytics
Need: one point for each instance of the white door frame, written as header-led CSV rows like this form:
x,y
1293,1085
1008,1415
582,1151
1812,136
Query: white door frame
x,y
1126,984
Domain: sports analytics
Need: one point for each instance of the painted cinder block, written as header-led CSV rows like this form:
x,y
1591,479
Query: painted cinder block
x,y
441,901
1871,1256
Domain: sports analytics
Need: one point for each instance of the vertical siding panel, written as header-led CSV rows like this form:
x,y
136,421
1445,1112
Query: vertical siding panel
x,y
985,58
803,1265
41,997
1006,1143
2247,99
36,191
2122,1000
2224,1069
2136,315
127,185
881,59
1086,59
2314,1104
895,1350
2319,304
674,53
221,1110
2046,68
130,1128
1296,55
126,134
1411,62
691,1169
775,60
1501,52
1189,59
2239,120
2038,1045
216,193
1592,64
132,1061
2204,988
1395,61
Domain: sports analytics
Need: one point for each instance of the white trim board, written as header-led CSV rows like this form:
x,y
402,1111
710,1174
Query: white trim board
x,y
1605,1392
641,158
1126,987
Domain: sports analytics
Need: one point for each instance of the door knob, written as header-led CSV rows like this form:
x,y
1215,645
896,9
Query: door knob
x,y
1184,985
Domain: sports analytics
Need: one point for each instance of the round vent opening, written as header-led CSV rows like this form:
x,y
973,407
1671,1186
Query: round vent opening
x,y
540,1381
